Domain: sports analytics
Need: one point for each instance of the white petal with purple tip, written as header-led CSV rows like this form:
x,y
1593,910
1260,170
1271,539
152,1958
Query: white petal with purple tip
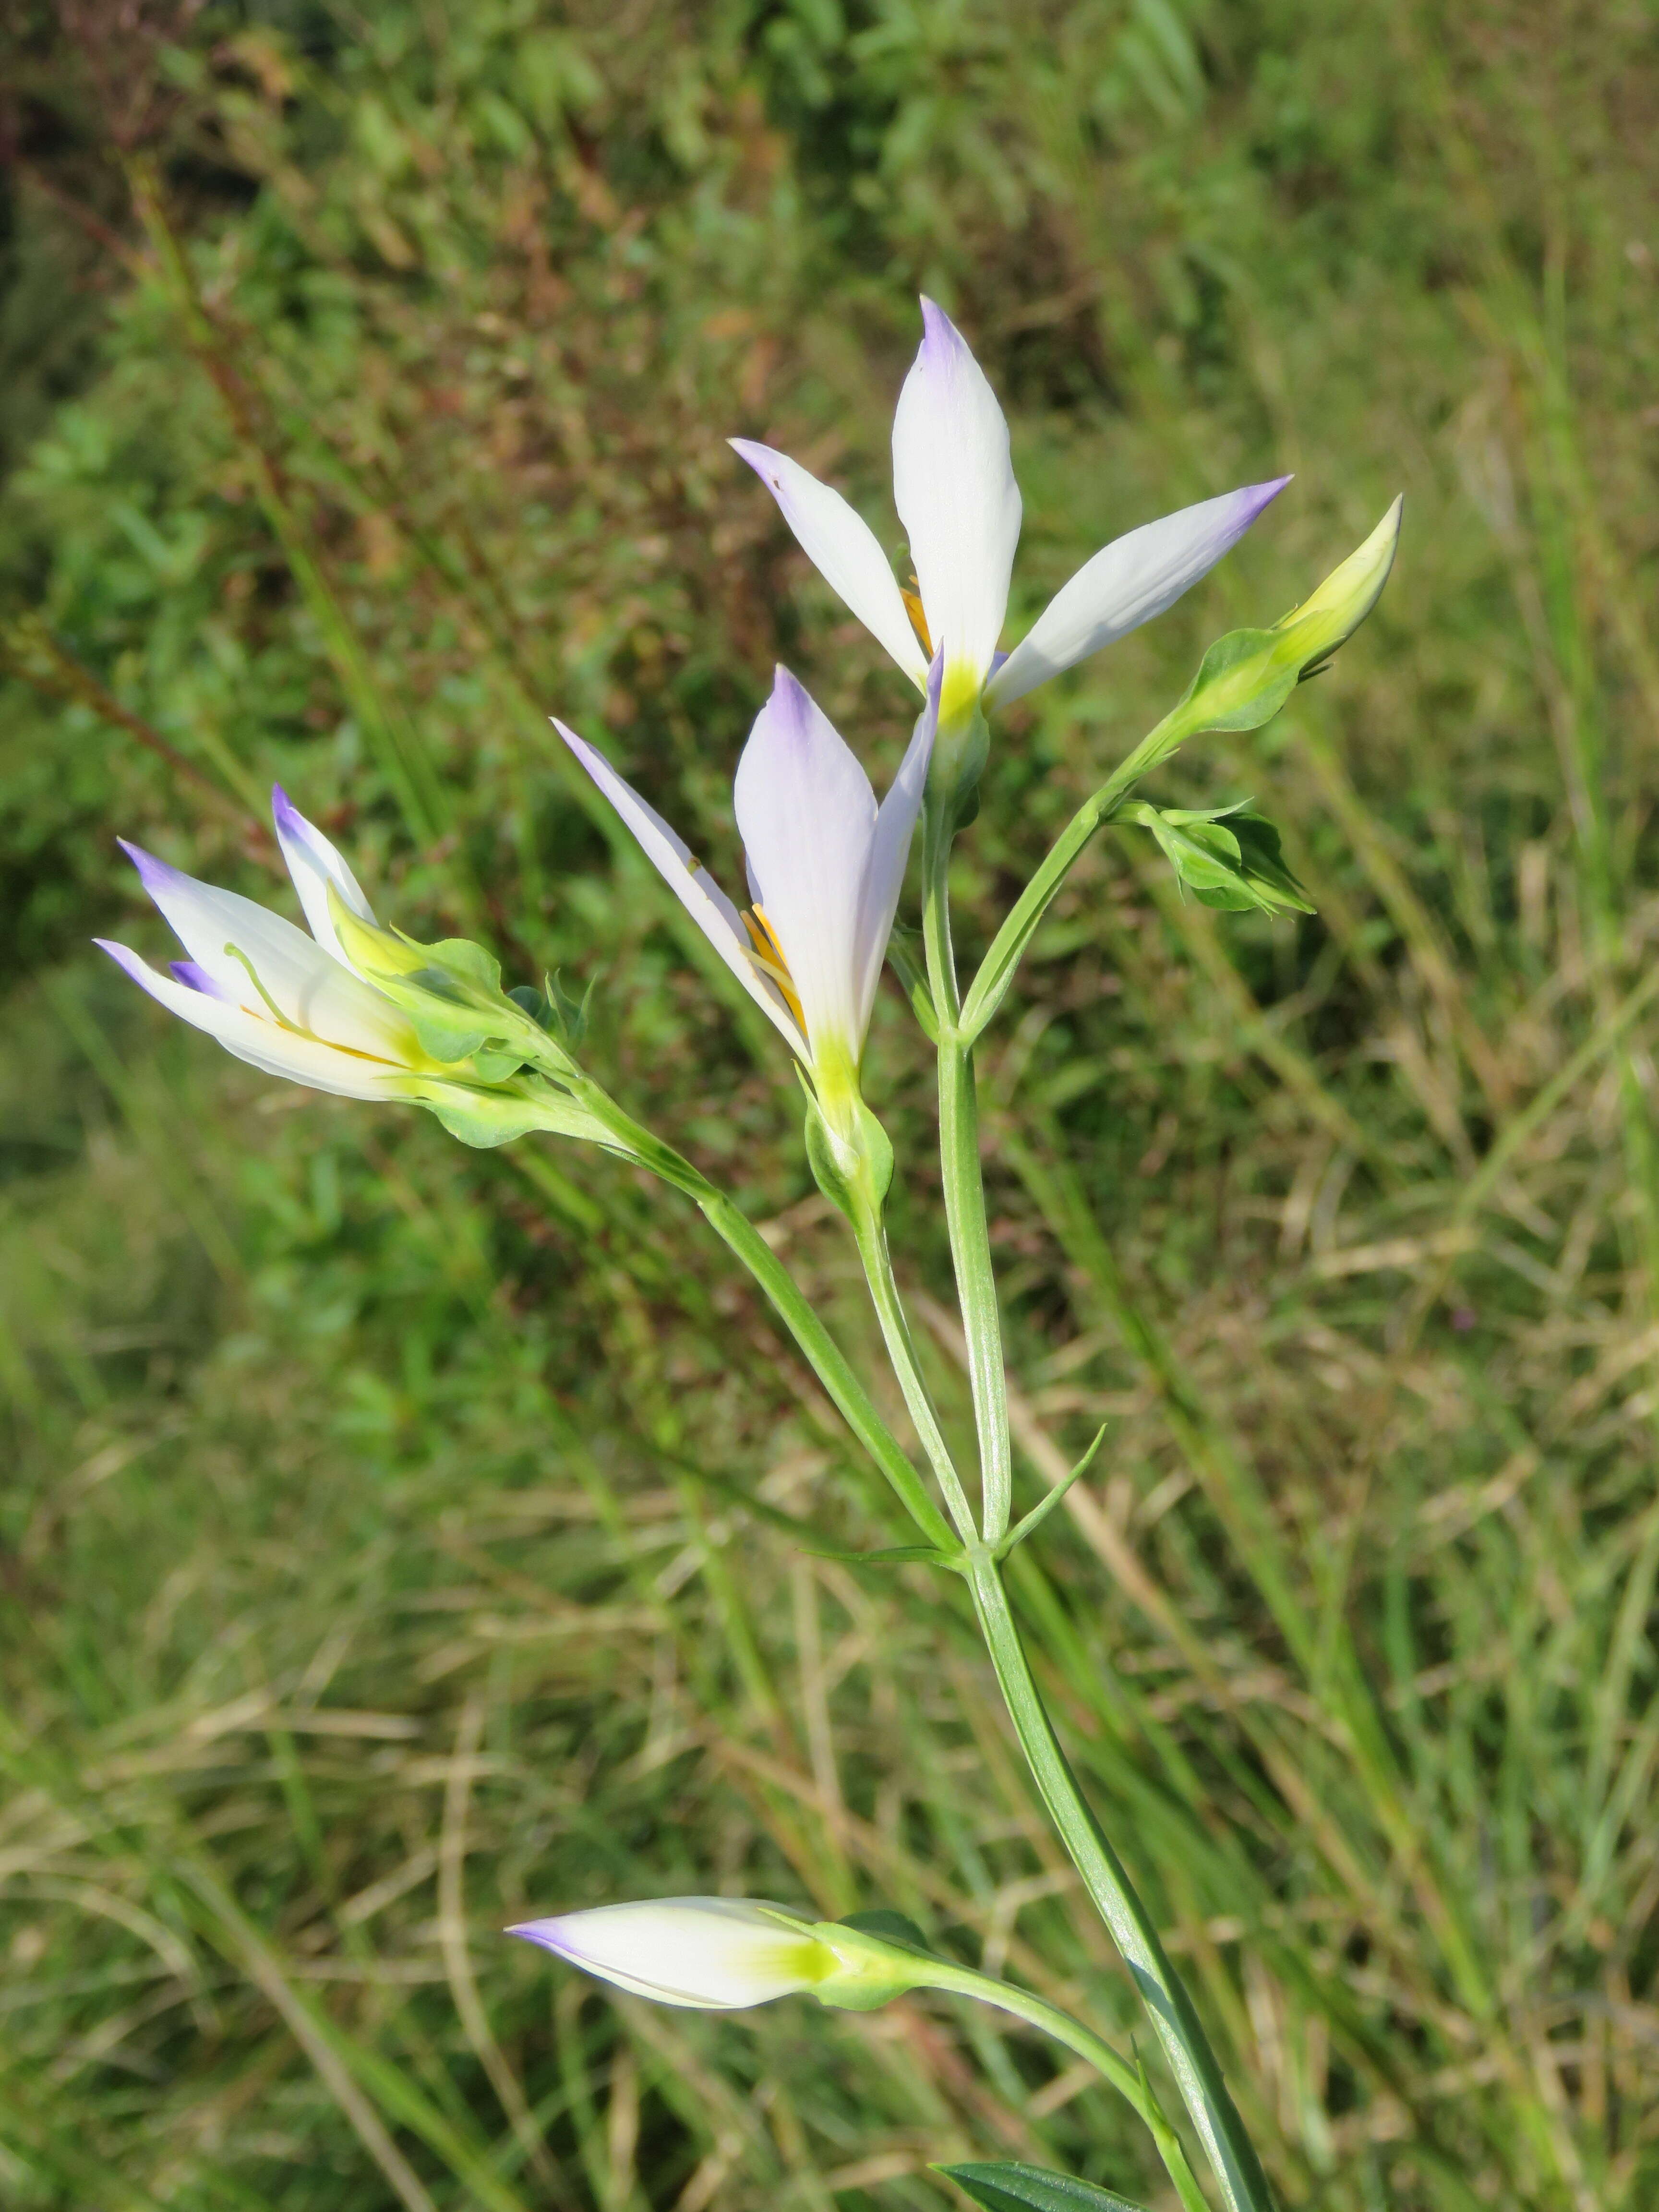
x,y
844,549
307,986
314,864
256,1038
953,483
690,883
807,818
1126,584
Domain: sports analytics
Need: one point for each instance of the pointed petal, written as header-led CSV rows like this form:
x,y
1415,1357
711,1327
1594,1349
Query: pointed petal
x,y
714,1954
1127,583
260,1042
843,548
308,986
953,484
807,816
895,822
314,864
690,883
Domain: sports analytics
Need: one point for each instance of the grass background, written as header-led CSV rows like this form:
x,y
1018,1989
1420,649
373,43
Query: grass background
x,y
395,1541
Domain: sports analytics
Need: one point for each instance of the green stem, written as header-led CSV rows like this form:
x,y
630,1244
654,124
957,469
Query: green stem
x,y
823,1354
964,1189
1194,2064
827,1361
1128,2080
872,1239
996,972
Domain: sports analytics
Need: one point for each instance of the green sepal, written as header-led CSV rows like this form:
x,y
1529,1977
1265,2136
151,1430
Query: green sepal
x,y
1241,682
1226,856
452,992
890,1927
1246,676
879,1955
554,1010
961,749
484,1119
1010,2187
854,1167
468,965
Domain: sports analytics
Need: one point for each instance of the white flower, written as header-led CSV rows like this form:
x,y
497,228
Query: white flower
x,y
825,865
290,1004
954,487
714,1953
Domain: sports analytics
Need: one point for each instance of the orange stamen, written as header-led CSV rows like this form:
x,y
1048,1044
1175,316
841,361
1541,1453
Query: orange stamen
x,y
913,607
768,956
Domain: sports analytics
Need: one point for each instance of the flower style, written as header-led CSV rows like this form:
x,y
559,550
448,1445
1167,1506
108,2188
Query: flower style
x,y
354,1008
825,866
954,487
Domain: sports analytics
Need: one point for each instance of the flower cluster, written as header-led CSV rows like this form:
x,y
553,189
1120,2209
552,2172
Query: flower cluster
x,y
825,862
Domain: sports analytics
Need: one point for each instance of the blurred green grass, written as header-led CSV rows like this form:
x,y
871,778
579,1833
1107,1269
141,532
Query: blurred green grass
x,y
393,1539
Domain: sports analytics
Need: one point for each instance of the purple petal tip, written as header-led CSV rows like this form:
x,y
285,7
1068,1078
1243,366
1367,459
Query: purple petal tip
x,y
538,1932
788,691
128,962
151,871
195,978
937,328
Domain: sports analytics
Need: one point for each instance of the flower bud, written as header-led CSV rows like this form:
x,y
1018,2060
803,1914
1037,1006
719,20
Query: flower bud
x,y
719,1953
714,1952
1331,615
1246,676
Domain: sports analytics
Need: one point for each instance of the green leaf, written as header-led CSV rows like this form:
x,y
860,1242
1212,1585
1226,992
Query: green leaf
x,y
1029,1525
1014,2188
895,1555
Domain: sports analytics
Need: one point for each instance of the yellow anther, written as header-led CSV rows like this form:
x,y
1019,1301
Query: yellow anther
x,y
918,618
768,956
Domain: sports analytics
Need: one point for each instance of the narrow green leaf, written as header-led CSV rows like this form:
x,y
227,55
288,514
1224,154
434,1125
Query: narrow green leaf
x,y
1031,1522
895,1555
1015,2188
